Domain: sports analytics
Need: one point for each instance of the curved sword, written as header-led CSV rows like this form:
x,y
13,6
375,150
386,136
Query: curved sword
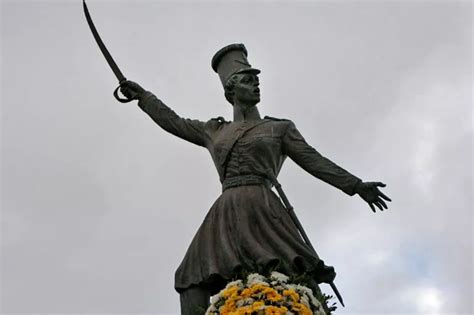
x,y
108,57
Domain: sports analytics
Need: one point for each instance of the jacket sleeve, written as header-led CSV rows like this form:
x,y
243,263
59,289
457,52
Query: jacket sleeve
x,y
188,129
295,146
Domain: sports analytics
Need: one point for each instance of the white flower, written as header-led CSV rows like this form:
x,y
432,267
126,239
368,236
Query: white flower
x,y
309,293
279,277
211,309
248,301
305,300
304,289
240,303
255,278
237,283
215,298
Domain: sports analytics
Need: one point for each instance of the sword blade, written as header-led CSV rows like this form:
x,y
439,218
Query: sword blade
x,y
121,78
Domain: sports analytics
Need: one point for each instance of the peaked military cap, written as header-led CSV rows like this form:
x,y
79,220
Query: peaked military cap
x,y
230,60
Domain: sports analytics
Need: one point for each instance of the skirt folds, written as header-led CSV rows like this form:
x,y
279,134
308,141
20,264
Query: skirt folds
x,y
246,229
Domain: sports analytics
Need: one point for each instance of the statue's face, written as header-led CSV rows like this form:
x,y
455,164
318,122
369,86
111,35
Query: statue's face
x,y
246,89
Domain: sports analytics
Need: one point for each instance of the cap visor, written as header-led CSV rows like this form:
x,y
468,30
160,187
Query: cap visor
x,y
249,70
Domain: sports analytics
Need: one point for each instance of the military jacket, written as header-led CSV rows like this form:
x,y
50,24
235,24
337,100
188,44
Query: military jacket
x,y
249,147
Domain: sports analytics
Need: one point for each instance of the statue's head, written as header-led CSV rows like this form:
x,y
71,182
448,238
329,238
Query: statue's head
x,y
239,79
243,88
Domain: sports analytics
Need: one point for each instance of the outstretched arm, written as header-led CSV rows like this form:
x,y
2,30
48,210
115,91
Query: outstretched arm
x,y
188,129
296,147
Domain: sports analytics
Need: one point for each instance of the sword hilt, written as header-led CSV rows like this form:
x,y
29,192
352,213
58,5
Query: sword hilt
x,y
117,96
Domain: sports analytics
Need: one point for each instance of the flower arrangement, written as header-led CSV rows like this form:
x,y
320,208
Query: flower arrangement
x,y
265,295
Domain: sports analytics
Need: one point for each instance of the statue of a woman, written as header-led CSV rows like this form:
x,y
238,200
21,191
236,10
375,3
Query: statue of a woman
x,y
247,228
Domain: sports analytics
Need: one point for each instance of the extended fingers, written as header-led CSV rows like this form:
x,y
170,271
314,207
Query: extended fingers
x,y
371,207
380,201
381,194
378,205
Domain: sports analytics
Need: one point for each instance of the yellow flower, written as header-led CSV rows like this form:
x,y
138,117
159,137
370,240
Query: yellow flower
x,y
274,310
257,287
272,295
246,293
256,306
230,291
301,309
226,309
295,297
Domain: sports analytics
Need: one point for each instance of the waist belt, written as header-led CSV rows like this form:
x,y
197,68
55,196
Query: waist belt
x,y
245,180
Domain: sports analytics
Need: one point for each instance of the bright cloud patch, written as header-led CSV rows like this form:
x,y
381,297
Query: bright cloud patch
x,y
426,300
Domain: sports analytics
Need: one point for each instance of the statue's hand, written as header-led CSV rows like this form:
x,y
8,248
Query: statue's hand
x,y
372,195
131,90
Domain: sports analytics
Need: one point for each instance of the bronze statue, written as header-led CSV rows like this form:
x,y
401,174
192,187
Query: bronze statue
x,y
248,227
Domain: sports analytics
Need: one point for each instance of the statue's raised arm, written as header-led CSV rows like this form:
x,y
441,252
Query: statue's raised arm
x,y
191,130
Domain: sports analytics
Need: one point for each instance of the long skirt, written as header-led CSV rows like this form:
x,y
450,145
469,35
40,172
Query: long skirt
x,y
246,230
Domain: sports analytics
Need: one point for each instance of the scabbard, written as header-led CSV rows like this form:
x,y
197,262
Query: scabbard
x,y
298,225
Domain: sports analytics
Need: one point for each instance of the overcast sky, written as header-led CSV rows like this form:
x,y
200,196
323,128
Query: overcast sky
x,y
99,204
